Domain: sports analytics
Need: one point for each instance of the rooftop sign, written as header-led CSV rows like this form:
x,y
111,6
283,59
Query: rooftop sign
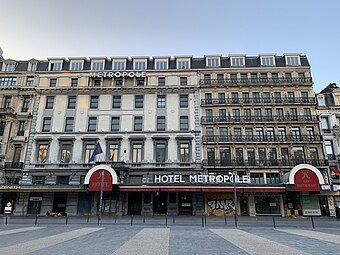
x,y
110,74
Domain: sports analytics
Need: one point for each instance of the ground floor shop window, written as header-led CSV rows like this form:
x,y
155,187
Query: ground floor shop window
x,y
84,203
59,202
34,203
267,204
219,204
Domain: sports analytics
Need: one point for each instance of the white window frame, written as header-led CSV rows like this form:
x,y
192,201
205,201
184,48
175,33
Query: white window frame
x,y
293,56
30,65
237,57
118,61
161,60
55,62
262,58
178,60
77,61
323,102
97,61
212,58
135,61
9,64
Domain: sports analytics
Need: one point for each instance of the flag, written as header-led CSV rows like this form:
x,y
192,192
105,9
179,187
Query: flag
x,y
97,150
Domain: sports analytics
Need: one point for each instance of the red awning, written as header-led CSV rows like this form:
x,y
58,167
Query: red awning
x,y
211,189
335,170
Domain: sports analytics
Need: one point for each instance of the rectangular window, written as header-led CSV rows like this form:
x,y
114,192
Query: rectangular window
x,y
139,101
234,97
237,61
220,97
49,102
292,60
47,121
94,102
220,78
183,101
138,123
32,67
282,133
92,124
325,125
272,178
118,65
161,81
30,81
160,123
277,97
161,101
137,152
116,101
183,80
9,67
267,61
256,97
213,62
161,64
8,81
113,155
183,64
2,127
211,156
160,151
7,102
140,81
69,124
139,64
115,124
42,152
207,78
97,64
53,82
55,66
329,149
66,148
96,83
88,150
245,97
72,101
74,82
184,123
184,152
25,104
119,82
21,128
76,65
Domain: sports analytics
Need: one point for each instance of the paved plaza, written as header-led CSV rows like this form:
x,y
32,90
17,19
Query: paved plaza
x,y
181,237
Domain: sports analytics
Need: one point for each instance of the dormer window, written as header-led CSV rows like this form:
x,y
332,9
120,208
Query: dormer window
x,y
183,63
118,64
139,64
212,61
161,64
267,61
10,67
293,60
55,65
32,66
321,100
76,65
237,61
97,64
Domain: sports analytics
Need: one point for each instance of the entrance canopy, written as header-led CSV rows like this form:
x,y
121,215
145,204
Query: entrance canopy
x,y
101,176
306,177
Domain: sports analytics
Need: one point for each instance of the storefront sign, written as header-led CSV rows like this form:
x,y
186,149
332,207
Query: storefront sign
x,y
310,206
108,74
9,187
220,204
197,178
96,181
306,180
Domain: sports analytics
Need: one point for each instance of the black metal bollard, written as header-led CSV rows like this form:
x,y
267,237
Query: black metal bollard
x,y
36,220
66,219
88,218
115,217
131,223
274,223
166,220
143,217
6,221
202,220
205,220
98,220
235,219
225,220
173,218
312,219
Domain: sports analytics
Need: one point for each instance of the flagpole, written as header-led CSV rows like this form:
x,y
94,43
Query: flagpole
x,y
101,194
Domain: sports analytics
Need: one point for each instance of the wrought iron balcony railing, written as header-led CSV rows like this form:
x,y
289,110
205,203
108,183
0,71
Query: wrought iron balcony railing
x,y
258,81
251,101
13,165
233,119
257,139
6,111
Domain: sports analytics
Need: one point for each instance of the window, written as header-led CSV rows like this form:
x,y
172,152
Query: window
x,y
160,151
69,124
25,104
233,77
118,64
116,101
56,66
92,124
10,67
2,127
138,123
7,102
97,64
8,81
220,97
139,64
139,101
299,154
296,133
220,78
282,133
272,178
211,156
325,125
184,152
183,64
94,102
113,153
262,155
259,133
321,100
225,156
161,101
291,97
275,77
292,60
96,83
72,101
140,81
184,123
30,81
234,97
310,133
161,64
288,77
183,80
74,82
267,61
277,97
65,151
237,61
239,156
213,62
42,152
38,180
88,150
62,180
245,97
161,81
329,149
266,97
32,67
183,101
47,121
160,123
76,65
207,78
119,82
115,124
21,128
53,82
137,152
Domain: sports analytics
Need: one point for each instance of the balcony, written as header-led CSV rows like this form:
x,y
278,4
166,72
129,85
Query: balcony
x,y
6,111
258,101
260,139
212,163
13,165
255,81
256,119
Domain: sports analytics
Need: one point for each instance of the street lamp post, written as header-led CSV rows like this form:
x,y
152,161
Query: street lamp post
x,y
101,194
235,198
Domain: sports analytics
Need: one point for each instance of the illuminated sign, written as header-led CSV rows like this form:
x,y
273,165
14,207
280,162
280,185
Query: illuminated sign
x,y
109,74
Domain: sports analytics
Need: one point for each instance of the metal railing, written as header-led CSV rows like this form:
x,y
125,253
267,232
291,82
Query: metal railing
x,y
289,118
256,138
7,110
222,101
13,165
250,81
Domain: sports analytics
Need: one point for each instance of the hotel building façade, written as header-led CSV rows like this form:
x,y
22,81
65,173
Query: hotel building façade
x,y
173,131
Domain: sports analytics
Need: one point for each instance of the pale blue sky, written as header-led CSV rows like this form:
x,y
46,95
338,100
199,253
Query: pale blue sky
x,y
45,28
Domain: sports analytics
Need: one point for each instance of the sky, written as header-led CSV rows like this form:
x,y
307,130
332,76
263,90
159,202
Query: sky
x,y
49,28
